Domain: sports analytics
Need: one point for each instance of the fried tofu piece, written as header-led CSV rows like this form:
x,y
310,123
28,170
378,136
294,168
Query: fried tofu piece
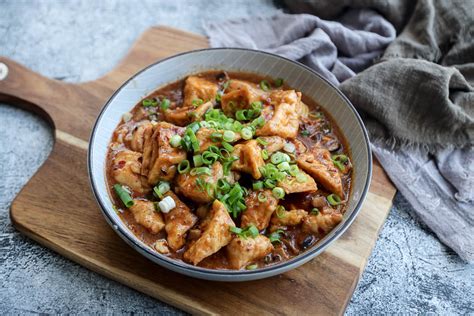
x,y
126,170
274,143
291,185
189,187
323,222
250,158
285,119
145,214
198,88
239,95
287,218
205,140
216,234
242,251
178,222
159,157
319,165
259,213
142,131
183,116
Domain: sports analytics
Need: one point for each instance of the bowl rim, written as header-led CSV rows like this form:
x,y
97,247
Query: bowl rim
x,y
179,265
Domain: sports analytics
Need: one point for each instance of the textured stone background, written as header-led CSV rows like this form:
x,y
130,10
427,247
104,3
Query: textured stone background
x,y
408,272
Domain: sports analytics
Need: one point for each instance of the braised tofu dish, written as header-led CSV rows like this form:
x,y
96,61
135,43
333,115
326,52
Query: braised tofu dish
x,y
229,171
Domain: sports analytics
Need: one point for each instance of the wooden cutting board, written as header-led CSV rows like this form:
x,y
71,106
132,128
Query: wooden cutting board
x,y
57,209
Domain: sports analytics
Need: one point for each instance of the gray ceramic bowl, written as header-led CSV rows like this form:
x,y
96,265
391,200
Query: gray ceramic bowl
x,y
174,68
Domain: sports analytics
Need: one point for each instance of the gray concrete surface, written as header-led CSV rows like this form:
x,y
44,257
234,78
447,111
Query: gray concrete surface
x,y
409,272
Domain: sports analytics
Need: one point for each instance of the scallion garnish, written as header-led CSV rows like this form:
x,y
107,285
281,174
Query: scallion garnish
x,y
262,141
334,199
339,161
261,197
251,267
275,236
249,231
227,146
305,133
280,211
161,188
246,133
278,192
165,104
197,160
123,195
175,141
257,185
200,170
184,166
315,211
197,102
264,154
279,82
228,136
264,85
149,102
301,177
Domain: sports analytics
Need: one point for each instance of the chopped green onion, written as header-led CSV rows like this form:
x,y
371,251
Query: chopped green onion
x,y
257,105
165,104
334,199
301,177
294,170
278,192
161,189
216,137
197,102
235,230
200,170
339,161
284,166
123,195
264,154
197,160
184,166
227,146
208,158
258,122
213,149
251,267
218,96
275,236
149,102
315,211
240,115
264,85
253,231
175,141
278,82
246,133
280,211
262,141
279,157
228,136
315,115
304,133
223,185
269,183
262,197
257,185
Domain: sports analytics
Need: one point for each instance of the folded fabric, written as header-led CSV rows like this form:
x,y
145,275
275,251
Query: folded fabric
x,y
417,100
338,50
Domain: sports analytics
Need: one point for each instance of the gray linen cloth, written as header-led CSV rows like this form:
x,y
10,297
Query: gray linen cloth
x,y
417,100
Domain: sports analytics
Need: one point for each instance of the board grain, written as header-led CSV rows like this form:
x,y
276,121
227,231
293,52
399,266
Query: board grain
x,y
57,209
